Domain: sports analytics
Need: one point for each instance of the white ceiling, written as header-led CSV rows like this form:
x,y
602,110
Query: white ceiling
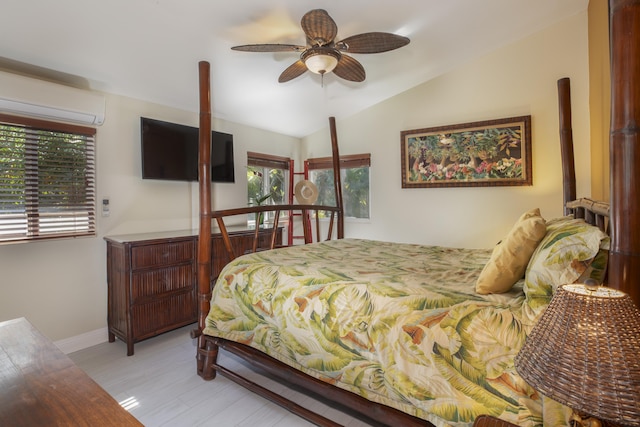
x,y
150,49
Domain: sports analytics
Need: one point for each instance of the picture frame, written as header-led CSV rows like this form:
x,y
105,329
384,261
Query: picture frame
x,y
478,154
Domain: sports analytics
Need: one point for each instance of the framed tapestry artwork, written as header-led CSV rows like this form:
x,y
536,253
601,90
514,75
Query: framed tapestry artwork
x,y
481,154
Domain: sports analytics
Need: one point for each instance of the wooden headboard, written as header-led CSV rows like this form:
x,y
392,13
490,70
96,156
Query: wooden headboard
x,y
592,211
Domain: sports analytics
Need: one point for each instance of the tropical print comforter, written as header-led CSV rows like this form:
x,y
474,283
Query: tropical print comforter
x,y
398,324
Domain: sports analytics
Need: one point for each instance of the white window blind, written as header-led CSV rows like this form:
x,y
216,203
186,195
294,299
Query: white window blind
x,y
47,180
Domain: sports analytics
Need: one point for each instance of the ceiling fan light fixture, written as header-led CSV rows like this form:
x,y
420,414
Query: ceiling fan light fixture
x,y
321,61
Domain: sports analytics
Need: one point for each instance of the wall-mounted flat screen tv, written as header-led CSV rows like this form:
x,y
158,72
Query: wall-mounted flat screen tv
x,y
170,151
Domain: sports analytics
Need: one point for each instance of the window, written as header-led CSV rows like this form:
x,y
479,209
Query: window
x,y
354,174
47,180
267,179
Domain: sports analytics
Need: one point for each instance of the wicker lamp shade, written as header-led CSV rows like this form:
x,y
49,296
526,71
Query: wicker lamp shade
x,y
584,353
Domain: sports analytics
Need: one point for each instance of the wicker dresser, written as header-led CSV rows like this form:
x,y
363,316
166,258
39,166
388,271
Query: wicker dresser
x,y
152,279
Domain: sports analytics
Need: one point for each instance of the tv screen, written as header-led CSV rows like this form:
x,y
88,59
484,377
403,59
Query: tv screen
x,y
170,151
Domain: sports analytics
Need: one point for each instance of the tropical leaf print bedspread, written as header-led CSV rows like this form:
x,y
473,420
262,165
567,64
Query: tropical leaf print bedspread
x,y
398,324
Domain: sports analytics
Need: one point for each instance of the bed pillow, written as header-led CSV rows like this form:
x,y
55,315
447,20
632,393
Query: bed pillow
x,y
510,257
571,251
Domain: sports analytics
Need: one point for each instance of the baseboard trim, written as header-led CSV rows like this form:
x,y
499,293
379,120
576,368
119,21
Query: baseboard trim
x,y
82,341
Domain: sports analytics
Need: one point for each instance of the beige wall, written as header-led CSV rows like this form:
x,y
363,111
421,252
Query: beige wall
x,y
60,286
599,97
519,79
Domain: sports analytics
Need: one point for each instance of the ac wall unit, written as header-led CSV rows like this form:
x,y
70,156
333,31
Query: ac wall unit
x,y
24,96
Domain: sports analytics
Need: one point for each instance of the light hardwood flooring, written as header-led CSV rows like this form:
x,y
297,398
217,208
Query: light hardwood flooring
x,y
160,387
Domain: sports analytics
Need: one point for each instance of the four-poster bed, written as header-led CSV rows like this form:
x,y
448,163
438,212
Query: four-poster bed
x,y
253,330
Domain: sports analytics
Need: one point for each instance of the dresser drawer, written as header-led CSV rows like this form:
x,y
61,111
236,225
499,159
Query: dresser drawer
x,y
162,254
159,316
156,282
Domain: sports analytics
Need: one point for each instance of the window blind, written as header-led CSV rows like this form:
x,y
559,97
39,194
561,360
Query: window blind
x,y
346,162
267,161
47,180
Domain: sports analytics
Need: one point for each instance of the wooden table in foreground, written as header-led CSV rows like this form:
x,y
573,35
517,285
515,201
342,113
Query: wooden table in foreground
x,y
40,385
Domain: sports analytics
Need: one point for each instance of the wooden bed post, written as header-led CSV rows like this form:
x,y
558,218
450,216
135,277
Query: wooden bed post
x,y
624,258
566,143
337,182
204,236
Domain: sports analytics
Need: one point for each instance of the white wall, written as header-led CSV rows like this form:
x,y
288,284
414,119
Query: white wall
x,y
520,79
60,286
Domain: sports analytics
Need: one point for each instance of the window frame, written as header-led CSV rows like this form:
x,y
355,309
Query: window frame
x,y
69,217
268,162
349,161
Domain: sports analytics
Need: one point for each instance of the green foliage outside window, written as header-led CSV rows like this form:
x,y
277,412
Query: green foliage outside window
x,y
264,181
355,190
268,186
47,183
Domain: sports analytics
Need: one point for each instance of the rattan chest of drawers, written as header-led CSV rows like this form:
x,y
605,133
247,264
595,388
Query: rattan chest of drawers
x,y
152,279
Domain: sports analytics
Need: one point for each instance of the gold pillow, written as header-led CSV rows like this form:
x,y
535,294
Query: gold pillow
x,y
510,257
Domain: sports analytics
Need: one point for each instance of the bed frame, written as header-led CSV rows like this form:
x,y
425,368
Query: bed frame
x,y
620,218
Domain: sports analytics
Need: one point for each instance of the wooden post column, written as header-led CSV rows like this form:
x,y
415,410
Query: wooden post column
x,y
624,260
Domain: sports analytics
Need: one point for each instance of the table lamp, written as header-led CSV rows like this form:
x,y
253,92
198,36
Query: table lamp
x,y
585,353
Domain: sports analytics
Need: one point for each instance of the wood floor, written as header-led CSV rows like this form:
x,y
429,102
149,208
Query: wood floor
x,y
160,387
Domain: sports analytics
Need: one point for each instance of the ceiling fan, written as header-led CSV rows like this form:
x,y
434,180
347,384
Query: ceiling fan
x,y
323,54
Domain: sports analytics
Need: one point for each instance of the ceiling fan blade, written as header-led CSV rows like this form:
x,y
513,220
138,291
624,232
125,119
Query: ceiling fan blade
x,y
319,27
294,70
349,69
375,42
269,48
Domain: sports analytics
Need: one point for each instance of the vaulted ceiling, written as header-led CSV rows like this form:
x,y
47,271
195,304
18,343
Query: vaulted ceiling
x,y
149,49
